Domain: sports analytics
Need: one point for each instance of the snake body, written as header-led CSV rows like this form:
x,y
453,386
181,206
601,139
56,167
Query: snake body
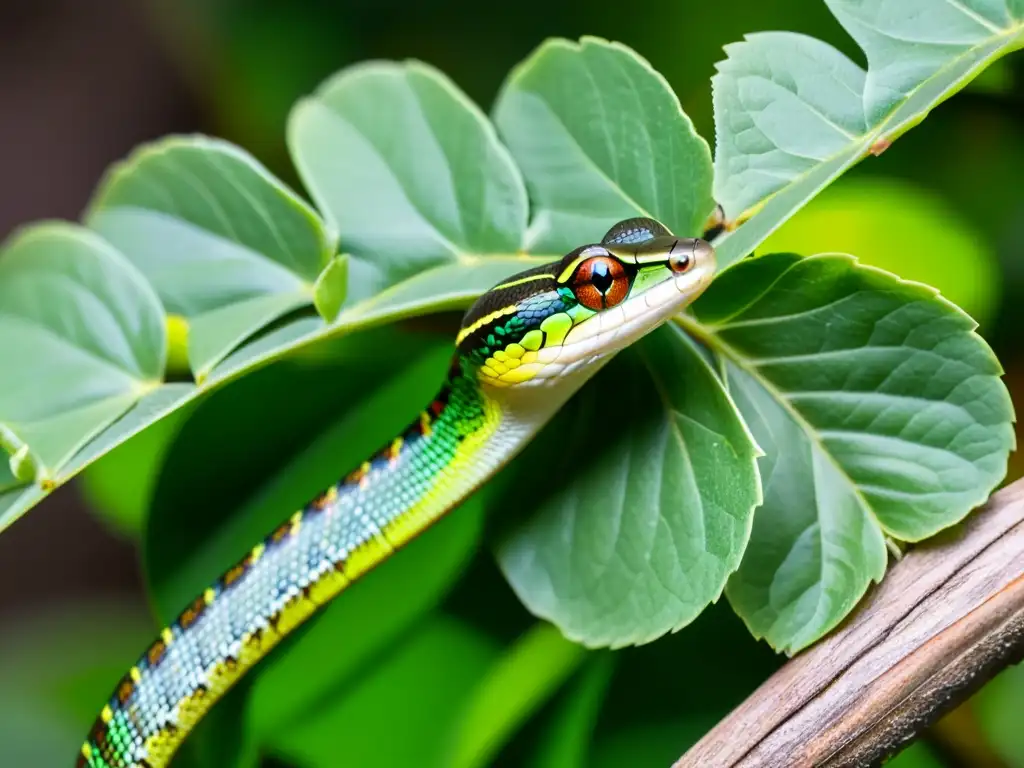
x,y
525,347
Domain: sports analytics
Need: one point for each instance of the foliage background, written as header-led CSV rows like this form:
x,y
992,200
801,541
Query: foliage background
x,y
81,84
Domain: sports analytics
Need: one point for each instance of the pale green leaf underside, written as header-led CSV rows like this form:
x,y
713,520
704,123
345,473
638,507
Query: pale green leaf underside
x,y
664,484
880,411
792,113
815,545
223,242
601,137
408,169
72,311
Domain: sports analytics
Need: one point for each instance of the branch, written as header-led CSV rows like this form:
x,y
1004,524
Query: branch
x,y
946,619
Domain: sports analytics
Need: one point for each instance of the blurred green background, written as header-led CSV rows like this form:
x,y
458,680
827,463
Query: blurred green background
x,y
82,83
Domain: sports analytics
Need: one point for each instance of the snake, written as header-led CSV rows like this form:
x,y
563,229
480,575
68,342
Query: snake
x,y
523,349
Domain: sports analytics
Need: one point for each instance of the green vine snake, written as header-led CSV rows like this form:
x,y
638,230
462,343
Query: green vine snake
x,y
525,347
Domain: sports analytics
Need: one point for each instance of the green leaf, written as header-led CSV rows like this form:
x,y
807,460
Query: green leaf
x,y
225,244
908,43
419,687
331,286
639,521
881,413
82,337
213,503
409,171
518,683
601,137
566,743
792,113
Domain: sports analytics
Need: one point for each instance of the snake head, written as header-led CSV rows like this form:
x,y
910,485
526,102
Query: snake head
x,y
559,322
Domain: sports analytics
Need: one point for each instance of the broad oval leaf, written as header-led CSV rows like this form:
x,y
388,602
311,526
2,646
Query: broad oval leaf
x,y
792,113
601,137
213,503
772,129
643,492
908,42
409,171
81,336
423,683
225,244
881,413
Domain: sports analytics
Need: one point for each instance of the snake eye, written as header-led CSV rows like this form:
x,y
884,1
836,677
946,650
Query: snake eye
x,y
600,282
680,259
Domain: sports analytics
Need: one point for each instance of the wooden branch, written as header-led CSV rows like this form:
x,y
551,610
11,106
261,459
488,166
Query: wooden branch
x,y
944,620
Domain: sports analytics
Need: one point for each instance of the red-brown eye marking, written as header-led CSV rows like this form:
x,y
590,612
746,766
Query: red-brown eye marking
x,y
600,282
680,258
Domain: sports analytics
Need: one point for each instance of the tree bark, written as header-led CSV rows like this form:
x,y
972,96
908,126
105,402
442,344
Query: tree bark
x,y
946,618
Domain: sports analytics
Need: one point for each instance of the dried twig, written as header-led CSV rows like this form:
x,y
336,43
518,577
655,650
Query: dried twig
x,y
945,620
